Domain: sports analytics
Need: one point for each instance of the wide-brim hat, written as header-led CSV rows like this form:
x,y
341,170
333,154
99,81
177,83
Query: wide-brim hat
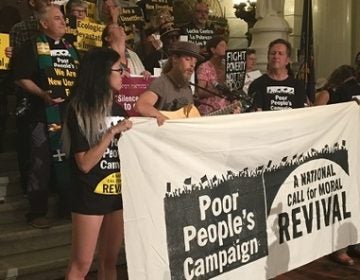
x,y
169,31
186,48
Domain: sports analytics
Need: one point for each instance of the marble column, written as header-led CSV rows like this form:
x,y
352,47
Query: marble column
x,y
270,25
333,25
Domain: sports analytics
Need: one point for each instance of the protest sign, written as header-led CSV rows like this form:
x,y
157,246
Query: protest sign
x,y
240,196
131,89
88,35
4,43
235,68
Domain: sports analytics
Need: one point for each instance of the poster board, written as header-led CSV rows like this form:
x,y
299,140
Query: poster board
x,y
207,198
130,91
4,43
235,68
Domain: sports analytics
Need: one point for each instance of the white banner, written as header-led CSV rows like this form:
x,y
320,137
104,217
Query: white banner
x,y
246,196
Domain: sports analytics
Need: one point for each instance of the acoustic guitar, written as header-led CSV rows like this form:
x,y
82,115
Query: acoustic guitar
x,y
188,111
226,110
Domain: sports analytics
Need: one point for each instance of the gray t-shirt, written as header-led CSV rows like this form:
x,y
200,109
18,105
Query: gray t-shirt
x,y
171,97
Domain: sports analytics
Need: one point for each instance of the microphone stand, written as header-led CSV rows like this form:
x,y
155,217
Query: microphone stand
x,y
209,91
231,95
240,95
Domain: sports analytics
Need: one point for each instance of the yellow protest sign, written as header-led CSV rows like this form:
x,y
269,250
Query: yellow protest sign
x,y
91,10
4,43
89,35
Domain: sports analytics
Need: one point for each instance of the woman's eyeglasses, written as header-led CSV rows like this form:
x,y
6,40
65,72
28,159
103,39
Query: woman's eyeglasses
x,y
120,70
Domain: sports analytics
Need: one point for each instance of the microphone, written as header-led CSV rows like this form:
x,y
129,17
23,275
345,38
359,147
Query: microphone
x,y
239,94
221,87
226,91
208,91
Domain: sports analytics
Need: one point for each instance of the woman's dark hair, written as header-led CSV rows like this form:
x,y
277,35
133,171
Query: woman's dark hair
x,y
357,59
104,34
92,97
339,75
212,43
92,83
250,51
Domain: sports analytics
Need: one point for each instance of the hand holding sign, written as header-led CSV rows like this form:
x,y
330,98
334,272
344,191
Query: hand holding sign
x,y
8,52
4,45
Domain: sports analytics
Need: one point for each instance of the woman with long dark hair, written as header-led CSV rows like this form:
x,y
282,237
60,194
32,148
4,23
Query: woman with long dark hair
x,y
92,126
341,86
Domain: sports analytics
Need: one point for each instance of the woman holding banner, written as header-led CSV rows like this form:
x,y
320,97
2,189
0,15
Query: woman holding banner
x,y
90,135
341,87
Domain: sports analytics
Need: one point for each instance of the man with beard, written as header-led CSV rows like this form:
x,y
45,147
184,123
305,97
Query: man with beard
x,y
171,91
199,30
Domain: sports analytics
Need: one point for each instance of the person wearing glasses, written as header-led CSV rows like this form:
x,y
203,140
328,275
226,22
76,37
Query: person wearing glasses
x,y
251,72
93,126
77,8
199,31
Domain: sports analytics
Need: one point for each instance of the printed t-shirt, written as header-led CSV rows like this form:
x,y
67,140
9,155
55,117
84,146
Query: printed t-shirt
x,y
274,95
171,96
97,192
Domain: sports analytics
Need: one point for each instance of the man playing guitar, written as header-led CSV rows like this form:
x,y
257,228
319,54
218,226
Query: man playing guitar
x,y
171,91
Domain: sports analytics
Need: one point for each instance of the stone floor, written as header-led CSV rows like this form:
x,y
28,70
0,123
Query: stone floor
x,y
324,269
122,274
321,269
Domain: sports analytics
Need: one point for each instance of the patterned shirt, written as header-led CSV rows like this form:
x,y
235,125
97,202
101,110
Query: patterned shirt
x,y
22,32
207,72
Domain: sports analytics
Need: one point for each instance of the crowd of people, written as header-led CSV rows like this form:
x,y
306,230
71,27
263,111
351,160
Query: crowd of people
x,y
92,122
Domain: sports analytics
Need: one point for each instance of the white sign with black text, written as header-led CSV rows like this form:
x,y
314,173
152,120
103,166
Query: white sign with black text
x,y
240,196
